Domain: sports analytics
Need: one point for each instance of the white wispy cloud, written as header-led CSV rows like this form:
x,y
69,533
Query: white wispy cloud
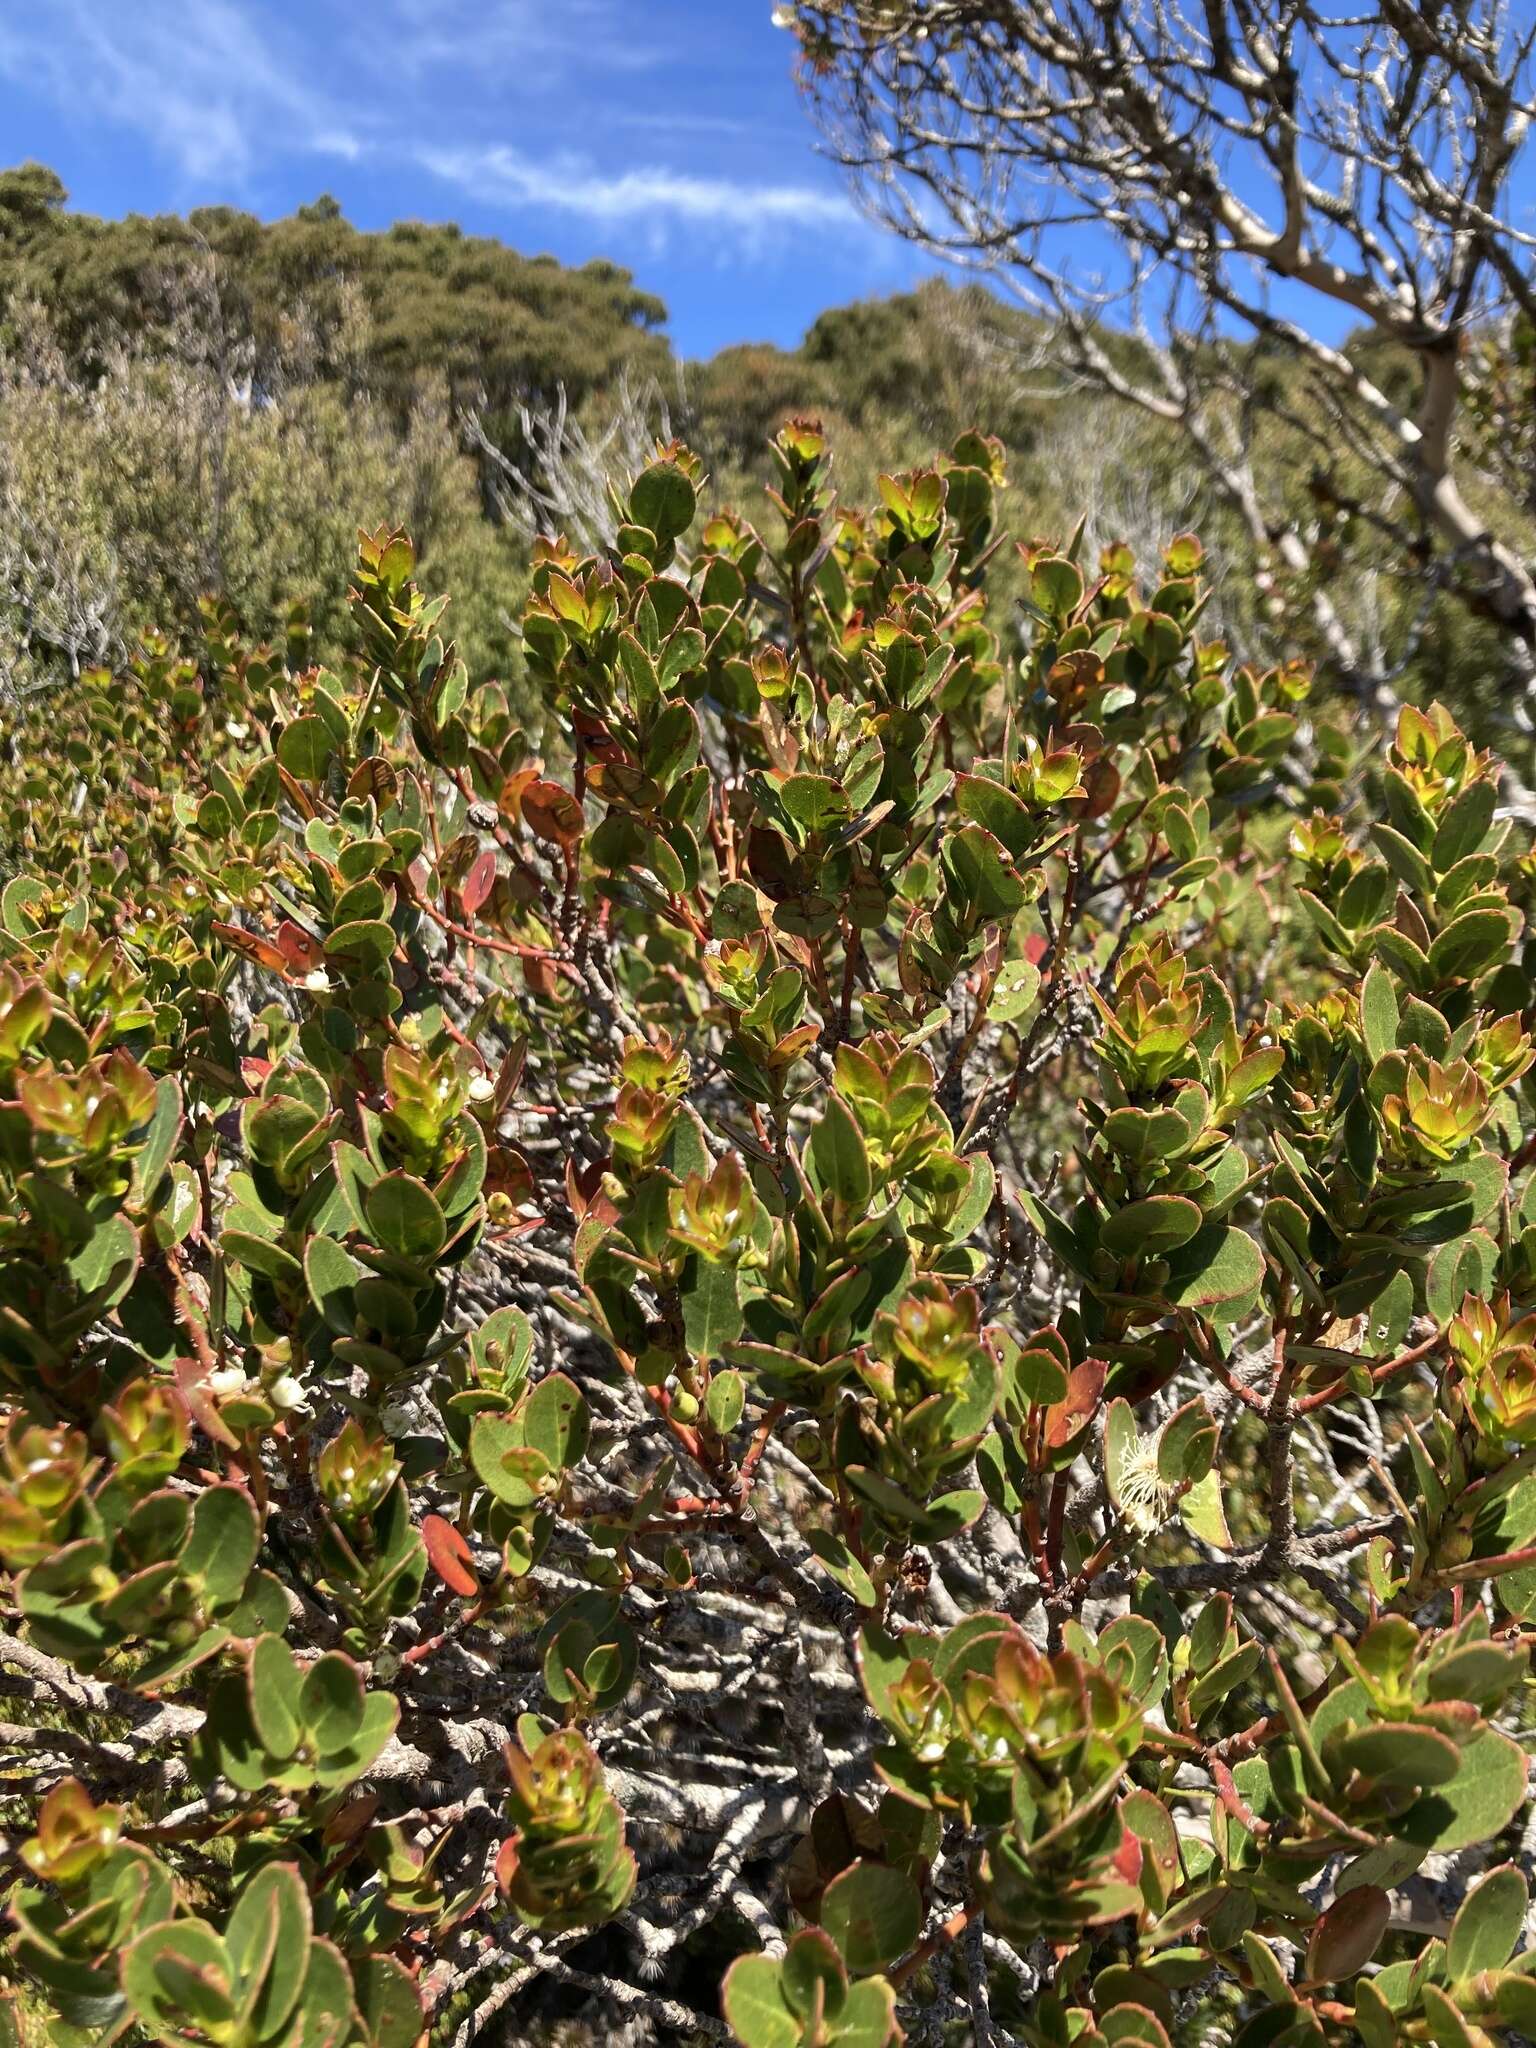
x,y
573,184
205,85
531,39
224,89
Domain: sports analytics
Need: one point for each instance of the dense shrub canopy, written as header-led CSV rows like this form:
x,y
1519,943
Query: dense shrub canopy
x,y
870,1334
439,300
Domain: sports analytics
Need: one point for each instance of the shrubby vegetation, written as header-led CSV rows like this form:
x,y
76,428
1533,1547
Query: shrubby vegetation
x,y
213,406
846,1356
1310,222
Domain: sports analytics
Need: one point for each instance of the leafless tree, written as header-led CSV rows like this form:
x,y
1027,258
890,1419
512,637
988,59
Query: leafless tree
x,y
562,483
1186,189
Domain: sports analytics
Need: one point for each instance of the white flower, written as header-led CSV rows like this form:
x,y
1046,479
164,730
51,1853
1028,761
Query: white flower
x,y
1144,1496
286,1393
481,1088
237,728
230,1379
318,980
394,1418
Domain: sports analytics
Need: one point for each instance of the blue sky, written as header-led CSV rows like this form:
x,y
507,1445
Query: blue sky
x,y
666,134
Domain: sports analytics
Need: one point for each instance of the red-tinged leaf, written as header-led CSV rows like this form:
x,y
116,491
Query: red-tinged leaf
x,y
450,1556
1102,781
300,951
510,801
1348,1935
353,1819
584,1188
508,1173
1085,1383
251,947
506,1865
510,1073
1127,1858
253,1072
478,883
552,813
1034,948
567,600
525,1226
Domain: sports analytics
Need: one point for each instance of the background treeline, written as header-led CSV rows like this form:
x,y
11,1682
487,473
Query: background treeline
x,y
213,405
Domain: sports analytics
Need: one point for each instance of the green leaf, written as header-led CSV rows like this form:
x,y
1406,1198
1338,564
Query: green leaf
x,y
663,500
1149,1228
326,2004
1144,1135
868,2017
1378,1013
890,1499
381,1715
1477,1805
1373,2015
331,1702
971,1210
260,1255
274,1682
1447,2027
812,1979
1187,1445
1132,1651
873,1913
1464,825
387,2001
838,1158
1203,1514
305,748
555,1421
332,1274
712,1313
1015,990
1470,944
21,895
981,801
175,1973
105,1266
952,1512
983,882
1056,586
754,2006
1122,1443
405,1219
1401,1755
503,1461
1039,1377
267,1938
842,1566
368,940
1405,860
222,1545
158,1143
726,1399
1219,1264
1488,1923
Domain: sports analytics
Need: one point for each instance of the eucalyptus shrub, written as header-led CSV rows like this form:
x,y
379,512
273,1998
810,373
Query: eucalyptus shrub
x,y
857,1363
